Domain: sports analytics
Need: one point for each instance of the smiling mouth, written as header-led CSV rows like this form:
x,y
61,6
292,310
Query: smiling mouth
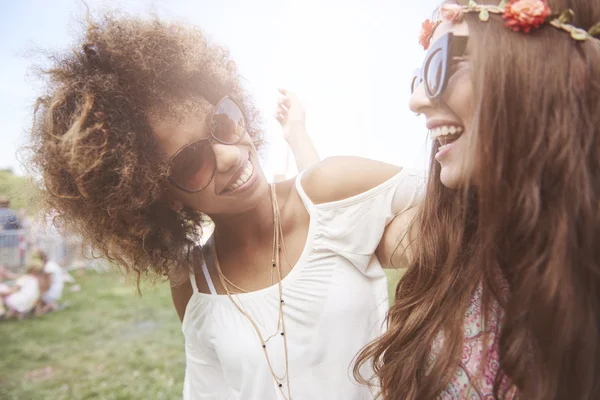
x,y
242,178
446,134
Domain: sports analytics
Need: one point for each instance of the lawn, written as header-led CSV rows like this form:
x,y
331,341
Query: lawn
x,y
109,344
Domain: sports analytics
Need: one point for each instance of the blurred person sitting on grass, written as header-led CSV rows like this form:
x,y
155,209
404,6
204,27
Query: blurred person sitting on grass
x,y
25,296
56,275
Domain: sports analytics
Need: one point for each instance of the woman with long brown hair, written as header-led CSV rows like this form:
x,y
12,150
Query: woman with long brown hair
x,y
503,297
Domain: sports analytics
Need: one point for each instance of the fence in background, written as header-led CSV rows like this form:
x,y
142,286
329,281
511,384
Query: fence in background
x,y
16,247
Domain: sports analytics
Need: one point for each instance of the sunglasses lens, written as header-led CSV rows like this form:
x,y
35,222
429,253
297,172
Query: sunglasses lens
x,y
193,167
433,73
229,125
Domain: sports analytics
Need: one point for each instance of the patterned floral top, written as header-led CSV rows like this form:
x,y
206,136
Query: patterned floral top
x,y
472,380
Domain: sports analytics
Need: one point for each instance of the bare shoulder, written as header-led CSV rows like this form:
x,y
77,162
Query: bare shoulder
x,y
181,290
338,178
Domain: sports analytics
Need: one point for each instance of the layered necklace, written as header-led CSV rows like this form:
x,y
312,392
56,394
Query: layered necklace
x,y
282,382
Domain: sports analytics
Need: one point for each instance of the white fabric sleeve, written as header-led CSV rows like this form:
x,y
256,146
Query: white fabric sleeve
x,y
353,227
410,186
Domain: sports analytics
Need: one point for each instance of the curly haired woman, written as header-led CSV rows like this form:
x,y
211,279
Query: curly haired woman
x,y
503,299
145,129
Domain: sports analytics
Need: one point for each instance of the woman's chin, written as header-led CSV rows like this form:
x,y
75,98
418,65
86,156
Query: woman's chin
x,y
451,178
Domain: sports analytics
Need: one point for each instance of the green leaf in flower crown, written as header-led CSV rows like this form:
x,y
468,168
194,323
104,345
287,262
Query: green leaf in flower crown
x,y
503,4
566,16
579,34
484,15
595,30
472,3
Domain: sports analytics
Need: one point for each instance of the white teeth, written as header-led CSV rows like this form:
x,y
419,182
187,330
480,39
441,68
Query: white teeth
x,y
248,171
446,130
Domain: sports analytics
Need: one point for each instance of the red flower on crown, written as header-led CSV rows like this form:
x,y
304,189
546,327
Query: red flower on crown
x,y
426,32
523,15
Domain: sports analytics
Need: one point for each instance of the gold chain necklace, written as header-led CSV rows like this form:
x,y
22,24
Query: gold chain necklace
x,y
277,231
233,285
225,282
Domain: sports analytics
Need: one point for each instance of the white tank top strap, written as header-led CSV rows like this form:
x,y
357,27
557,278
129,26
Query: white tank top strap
x,y
193,282
305,199
208,279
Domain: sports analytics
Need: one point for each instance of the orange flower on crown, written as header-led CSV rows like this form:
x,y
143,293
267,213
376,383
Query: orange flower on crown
x,y
426,32
523,15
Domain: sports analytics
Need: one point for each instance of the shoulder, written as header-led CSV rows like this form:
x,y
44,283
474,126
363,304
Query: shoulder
x,y
339,178
181,290
181,286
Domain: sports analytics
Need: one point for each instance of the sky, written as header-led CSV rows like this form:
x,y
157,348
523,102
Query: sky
x,y
349,61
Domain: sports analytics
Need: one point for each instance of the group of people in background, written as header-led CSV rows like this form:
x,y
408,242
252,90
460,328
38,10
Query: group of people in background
x,y
36,292
31,278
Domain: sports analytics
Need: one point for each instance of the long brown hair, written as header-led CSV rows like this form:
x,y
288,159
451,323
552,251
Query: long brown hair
x,y
532,224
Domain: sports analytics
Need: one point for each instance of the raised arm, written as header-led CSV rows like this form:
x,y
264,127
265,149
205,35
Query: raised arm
x,y
338,178
292,117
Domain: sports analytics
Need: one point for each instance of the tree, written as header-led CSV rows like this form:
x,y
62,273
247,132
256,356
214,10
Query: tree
x,y
20,190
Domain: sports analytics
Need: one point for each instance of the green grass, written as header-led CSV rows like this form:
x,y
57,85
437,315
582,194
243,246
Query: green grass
x,y
393,276
109,344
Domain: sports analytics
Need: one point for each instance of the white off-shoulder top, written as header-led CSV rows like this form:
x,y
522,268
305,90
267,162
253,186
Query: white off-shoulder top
x,y
335,302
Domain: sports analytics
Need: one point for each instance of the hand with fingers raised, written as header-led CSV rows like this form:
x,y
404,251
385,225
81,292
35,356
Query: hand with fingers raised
x,y
292,117
290,114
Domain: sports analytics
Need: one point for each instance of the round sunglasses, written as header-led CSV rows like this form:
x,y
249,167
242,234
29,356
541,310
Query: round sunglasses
x,y
439,64
193,167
